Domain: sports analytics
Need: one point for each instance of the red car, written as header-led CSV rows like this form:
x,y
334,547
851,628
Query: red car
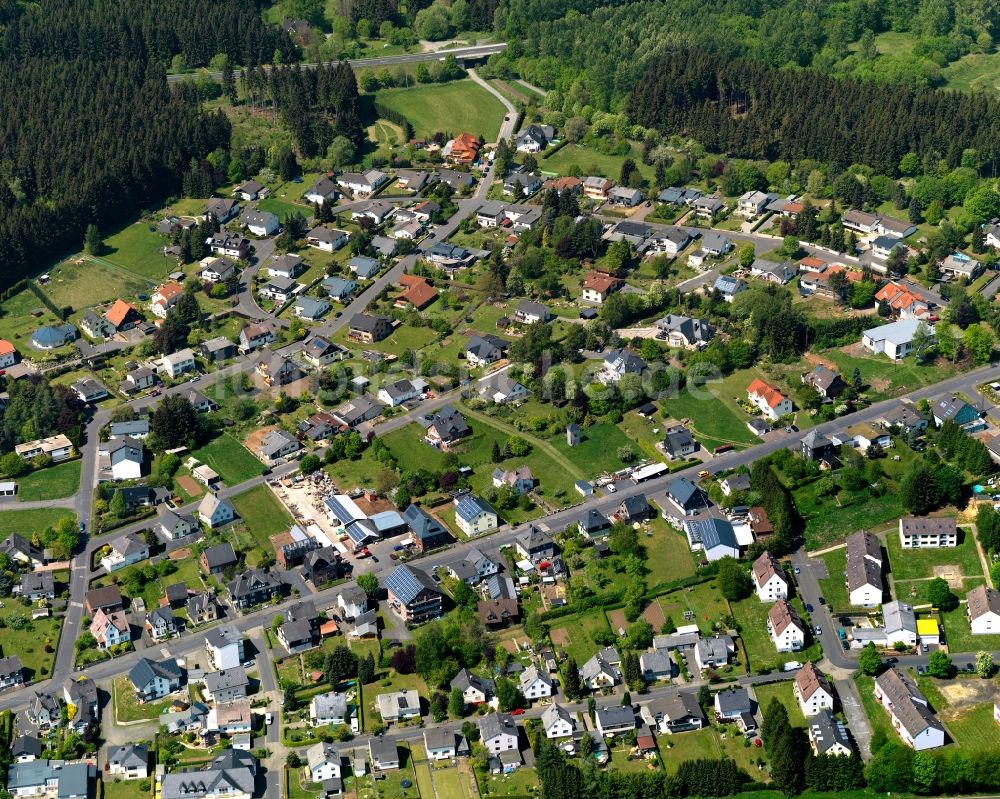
x,y
518,711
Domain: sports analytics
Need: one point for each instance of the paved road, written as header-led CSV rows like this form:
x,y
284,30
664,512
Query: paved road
x,y
461,53
509,120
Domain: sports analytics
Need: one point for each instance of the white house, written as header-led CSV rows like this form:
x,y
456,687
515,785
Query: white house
x,y
900,623
214,512
535,684
922,532
498,733
323,761
324,189
983,609
398,705
812,690
787,630
828,735
327,239
474,515
768,400
603,670
907,707
178,363
124,551
558,722
864,570
769,578
329,709
894,339
260,223
121,459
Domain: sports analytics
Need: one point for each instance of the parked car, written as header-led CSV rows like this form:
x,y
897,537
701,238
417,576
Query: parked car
x,y
809,608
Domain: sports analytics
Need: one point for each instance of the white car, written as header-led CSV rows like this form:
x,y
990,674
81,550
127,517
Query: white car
x,y
268,718
611,488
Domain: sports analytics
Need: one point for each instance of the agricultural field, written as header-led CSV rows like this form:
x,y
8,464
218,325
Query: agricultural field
x,y
55,482
27,521
455,107
230,459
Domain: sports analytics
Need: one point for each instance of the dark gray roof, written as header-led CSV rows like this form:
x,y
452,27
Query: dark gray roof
x,y
220,555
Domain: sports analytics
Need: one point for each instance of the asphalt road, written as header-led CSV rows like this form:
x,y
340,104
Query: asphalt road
x,y
461,53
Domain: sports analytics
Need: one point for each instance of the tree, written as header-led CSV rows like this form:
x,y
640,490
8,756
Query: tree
x,y
117,507
290,697
984,664
93,244
293,760
174,423
341,664
939,665
978,340
368,583
508,695
310,463
747,255
570,674
366,669
775,719
456,703
732,580
940,596
918,489
869,660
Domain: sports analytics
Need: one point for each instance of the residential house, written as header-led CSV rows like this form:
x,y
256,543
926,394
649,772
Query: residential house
x,y
165,297
535,684
960,265
412,179
124,551
768,400
323,761
94,325
678,442
253,587
685,498
216,559
957,410
520,479
534,545
57,447
812,690
252,190
279,289
474,515
731,703
398,705
614,720
384,754
903,304
329,709
123,316
896,339
178,363
300,629
256,335
426,532
495,614
11,672
161,623
369,329
224,646
398,392
729,286
624,196
769,578
52,337
232,775
815,446
683,331
603,670
323,190
26,748
320,352
35,586
215,512
596,188
598,286
110,629
673,713
326,238
501,389
43,710
983,610
772,272
486,349
363,184
475,690
828,735
107,598
226,685
231,245
498,733
202,608
864,569
459,181
900,623
711,653
529,313
356,411
908,710
413,595
218,349
752,204
618,363
447,427
786,628
594,524
826,381
322,565
740,481
277,446
533,138
216,269
923,532
708,207
656,665
128,761
222,210
51,779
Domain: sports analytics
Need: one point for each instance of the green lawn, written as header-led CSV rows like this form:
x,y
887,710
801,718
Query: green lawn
x,y
829,519
751,615
916,564
390,787
713,421
27,522
17,323
123,789
83,281
457,107
876,713
137,248
34,637
597,451
127,708
283,208
887,379
834,588
703,600
782,691
580,628
55,482
588,161
262,513
298,785
959,636
230,459
668,555
523,782
975,729
694,745
974,72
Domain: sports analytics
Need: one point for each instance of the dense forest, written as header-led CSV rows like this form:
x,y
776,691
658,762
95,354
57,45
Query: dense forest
x,y
749,109
90,132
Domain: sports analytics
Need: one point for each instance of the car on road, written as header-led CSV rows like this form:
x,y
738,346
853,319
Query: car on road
x,y
821,601
921,669
797,570
892,660
374,558
268,719
518,711
611,488
83,527
818,630
704,474
809,608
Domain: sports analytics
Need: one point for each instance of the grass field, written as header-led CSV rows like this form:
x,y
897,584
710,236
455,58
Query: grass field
x,y
283,208
230,459
84,282
975,729
137,248
959,636
55,482
127,708
589,161
26,522
876,713
521,783
456,107
597,451
581,646
830,520
713,421
123,789
834,588
974,72
31,641
887,379
782,691
262,513
917,564
668,555
703,600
